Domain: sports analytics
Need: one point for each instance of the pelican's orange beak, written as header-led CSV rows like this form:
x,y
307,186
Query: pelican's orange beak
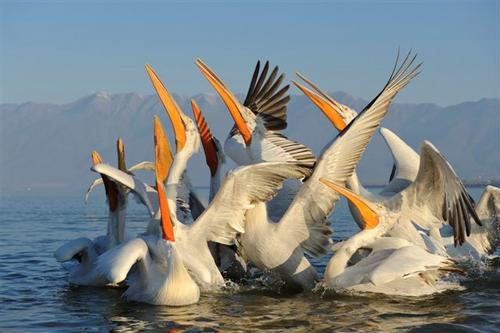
x,y
325,103
96,158
120,149
173,110
325,106
165,159
232,103
368,215
207,139
162,164
109,186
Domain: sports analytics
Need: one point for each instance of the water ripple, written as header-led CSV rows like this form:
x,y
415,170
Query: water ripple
x,y
36,297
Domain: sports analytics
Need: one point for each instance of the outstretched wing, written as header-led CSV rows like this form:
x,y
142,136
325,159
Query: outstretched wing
x,y
145,165
241,190
92,186
265,97
306,219
441,193
406,261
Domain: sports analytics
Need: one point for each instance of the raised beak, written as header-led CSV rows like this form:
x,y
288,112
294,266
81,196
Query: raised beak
x,y
326,104
207,139
165,158
109,186
232,103
96,158
162,163
120,149
173,110
368,215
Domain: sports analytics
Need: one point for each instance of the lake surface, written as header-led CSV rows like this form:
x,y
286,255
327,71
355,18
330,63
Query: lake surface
x,y
36,297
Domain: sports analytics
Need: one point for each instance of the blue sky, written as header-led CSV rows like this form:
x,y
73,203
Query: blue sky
x,y
60,51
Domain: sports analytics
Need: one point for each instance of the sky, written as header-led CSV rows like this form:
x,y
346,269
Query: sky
x,y
60,51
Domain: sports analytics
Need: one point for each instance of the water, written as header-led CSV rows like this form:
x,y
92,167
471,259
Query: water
x,y
36,297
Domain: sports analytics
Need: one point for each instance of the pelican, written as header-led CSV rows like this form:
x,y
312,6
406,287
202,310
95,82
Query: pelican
x,y
280,247
160,276
255,137
393,266
230,263
220,222
188,141
405,172
189,204
86,251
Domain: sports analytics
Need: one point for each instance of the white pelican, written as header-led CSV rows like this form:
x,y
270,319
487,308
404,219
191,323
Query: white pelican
x,y
406,168
86,251
220,222
188,142
190,204
393,265
230,263
254,138
279,247
160,276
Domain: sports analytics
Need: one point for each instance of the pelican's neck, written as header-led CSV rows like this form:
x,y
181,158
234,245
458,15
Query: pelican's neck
x,y
179,165
337,264
116,225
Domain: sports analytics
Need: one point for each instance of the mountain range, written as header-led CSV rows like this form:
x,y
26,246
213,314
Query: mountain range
x,y
46,147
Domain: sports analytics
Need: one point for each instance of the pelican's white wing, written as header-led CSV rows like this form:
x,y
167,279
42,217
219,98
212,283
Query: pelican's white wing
x,y
145,165
406,162
406,261
437,195
70,249
116,263
242,188
94,184
145,193
306,219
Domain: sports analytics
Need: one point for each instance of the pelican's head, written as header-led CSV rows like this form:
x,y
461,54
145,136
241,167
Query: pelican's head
x,y
244,119
109,187
213,151
340,115
371,213
186,134
163,162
